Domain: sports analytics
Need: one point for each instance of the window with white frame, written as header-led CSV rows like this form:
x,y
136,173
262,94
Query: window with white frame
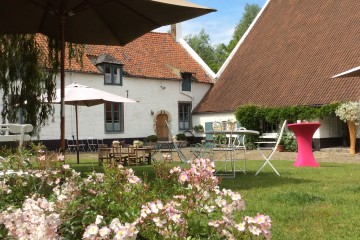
x,y
114,120
184,115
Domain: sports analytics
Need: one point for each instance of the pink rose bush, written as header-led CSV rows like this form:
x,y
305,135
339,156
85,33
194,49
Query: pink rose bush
x,y
34,220
180,203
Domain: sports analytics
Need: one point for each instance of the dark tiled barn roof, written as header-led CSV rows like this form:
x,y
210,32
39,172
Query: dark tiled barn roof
x,y
153,55
290,55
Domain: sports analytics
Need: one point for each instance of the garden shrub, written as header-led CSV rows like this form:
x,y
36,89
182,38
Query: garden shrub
x,y
289,141
181,203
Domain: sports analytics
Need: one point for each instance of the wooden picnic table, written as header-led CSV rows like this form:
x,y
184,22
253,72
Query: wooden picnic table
x,y
129,155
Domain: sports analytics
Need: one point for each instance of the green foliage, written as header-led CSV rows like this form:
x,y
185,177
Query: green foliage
x,y
27,74
180,137
327,196
289,141
202,46
109,195
24,80
151,138
251,116
220,138
21,185
215,56
199,128
251,11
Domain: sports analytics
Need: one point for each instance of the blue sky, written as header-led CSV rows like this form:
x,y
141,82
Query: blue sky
x,y
219,25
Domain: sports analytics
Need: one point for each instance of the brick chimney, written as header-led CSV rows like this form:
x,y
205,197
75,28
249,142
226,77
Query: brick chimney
x,y
175,31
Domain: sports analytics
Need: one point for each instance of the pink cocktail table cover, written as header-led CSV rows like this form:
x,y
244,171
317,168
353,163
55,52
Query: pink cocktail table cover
x,y
304,133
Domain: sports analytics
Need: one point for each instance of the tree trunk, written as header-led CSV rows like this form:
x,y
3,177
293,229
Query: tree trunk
x,y
352,134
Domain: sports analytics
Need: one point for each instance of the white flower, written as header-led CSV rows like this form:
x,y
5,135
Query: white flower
x,y
349,111
99,219
66,166
92,229
104,231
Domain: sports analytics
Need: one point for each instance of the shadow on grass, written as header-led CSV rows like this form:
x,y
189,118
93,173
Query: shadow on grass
x,y
241,182
262,180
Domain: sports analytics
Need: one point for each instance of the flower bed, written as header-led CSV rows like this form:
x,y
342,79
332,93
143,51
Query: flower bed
x,y
181,203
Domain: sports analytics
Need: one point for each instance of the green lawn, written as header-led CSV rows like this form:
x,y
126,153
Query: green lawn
x,y
303,203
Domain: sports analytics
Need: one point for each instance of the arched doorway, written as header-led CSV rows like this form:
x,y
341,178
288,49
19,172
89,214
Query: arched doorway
x,y
162,131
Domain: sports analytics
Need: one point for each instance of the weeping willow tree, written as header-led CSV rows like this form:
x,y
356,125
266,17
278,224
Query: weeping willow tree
x,y
27,74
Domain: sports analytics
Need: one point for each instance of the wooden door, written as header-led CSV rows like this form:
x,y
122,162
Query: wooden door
x,y
162,132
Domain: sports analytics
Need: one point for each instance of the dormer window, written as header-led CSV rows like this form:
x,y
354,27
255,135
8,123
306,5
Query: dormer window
x,y
112,69
112,74
186,81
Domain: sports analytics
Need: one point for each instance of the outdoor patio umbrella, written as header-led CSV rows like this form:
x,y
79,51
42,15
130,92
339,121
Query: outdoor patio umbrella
x,y
105,22
354,72
80,95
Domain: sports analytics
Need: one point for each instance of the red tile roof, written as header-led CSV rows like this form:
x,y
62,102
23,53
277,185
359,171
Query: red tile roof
x,y
153,55
290,55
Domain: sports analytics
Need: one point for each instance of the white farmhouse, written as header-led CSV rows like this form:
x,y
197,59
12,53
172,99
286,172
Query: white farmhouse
x,y
163,74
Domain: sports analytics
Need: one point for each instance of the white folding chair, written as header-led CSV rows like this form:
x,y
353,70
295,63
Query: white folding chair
x,y
272,146
81,145
92,145
71,146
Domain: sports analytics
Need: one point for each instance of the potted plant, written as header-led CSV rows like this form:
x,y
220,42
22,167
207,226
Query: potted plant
x,y
349,112
180,139
199,128
151,140
280,147
138,143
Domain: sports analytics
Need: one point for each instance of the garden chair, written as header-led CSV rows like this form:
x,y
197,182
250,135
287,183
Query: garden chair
x,y
82,145
201,150
103,154
119,154
135,156
92,144
272,146
99,142
71,145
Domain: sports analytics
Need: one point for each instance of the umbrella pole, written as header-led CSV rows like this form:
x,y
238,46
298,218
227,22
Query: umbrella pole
x,y
62,82
77,135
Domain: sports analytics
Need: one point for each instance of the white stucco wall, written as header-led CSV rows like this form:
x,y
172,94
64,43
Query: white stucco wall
x,y
210,117
153,95
330,126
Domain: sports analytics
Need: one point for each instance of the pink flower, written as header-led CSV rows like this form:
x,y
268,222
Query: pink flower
x,y
92,229
183,177
254,230
134,179
104,231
